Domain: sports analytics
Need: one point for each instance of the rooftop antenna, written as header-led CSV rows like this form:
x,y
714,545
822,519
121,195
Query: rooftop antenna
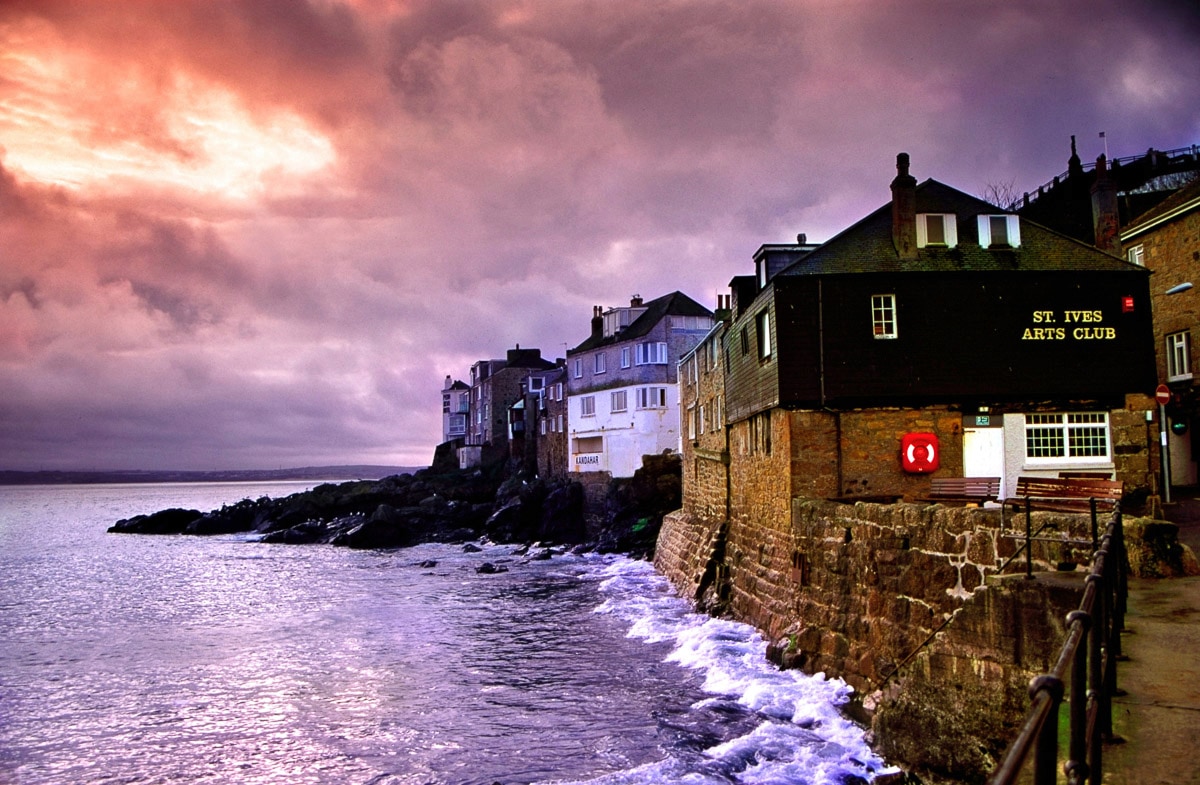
x,y
1105,138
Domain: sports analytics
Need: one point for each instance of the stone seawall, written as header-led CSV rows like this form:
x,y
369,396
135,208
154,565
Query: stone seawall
x,y
919,607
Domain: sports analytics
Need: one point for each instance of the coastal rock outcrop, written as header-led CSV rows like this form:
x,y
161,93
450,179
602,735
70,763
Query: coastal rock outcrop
x,y
445,505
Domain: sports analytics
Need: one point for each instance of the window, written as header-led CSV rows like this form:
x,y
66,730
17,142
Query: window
x,y
579,368
445,403
620,401
624,356
652,398
701,419
937,229
561,428
1137,255
1058,438
691,421
745,342
589,444
543,427
764,335
883,315
458,424
558,391
599,363
536,383
1179,356
587,406
652,353
999,231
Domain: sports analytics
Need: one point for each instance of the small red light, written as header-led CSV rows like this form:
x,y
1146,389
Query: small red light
x,y
1126,305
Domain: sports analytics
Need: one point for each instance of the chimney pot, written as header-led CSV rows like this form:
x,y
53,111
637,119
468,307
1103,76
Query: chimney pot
x,y
802,239
904,210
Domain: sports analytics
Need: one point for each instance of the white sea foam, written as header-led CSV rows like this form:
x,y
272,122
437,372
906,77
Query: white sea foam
x,y
801,736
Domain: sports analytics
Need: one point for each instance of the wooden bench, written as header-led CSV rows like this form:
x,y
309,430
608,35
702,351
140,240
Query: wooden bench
x,y
963,490
1066,494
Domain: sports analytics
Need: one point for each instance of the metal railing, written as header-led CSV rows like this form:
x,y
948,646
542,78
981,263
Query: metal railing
x,y
1087,665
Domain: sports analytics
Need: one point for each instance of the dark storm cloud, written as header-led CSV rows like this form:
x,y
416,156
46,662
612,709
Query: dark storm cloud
x,y
261,233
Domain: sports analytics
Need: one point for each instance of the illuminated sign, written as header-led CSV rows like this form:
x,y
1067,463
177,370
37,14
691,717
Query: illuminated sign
x,y
1076,325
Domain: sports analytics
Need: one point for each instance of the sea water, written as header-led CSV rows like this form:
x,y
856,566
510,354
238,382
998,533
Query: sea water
x,y
156,659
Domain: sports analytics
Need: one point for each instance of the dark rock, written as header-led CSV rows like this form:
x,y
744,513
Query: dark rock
x,y
301,534
471,547
171,521
428,564
375,532
543,555
487,568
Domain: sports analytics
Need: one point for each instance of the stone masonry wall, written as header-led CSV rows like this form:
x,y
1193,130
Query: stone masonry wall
x,y
870,442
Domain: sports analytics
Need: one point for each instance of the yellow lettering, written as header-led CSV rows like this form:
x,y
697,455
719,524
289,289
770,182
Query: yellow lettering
x,y
1044,334
1094,333
1043,316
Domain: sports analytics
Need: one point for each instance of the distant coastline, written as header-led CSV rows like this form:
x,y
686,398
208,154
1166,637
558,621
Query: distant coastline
x,y
363,472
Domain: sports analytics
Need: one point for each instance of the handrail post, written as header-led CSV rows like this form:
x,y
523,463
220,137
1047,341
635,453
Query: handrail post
x,y
1028,542
1045,754
1096,676
1076,767
1095,534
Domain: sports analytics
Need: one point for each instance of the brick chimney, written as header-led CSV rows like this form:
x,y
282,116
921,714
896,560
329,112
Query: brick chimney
x,y
597,321
904,210
635,301
1105,220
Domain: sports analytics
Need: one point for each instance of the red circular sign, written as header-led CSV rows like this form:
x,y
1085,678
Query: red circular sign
x,y
1162,394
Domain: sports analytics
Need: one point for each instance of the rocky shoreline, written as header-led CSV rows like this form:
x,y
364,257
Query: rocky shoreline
x,y
440,505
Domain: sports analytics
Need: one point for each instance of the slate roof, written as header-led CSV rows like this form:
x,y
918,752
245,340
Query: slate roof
x,y
1182,201
866,247
673,304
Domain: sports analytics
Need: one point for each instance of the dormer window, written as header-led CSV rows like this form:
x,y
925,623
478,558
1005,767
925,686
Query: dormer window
x,y
937,229
999,231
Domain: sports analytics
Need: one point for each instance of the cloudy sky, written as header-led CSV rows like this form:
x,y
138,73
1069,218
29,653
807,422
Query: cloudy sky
x,y
260,234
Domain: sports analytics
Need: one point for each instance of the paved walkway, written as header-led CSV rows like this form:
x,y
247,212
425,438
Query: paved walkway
x,y
1159,716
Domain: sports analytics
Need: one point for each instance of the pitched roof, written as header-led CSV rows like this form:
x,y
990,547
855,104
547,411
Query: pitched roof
x,y
867,245
1182,201
673,304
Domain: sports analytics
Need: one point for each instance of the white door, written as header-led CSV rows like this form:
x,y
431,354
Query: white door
x,y
983,453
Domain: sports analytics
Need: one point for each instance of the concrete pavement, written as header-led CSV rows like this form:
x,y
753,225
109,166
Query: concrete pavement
x,y
1158,718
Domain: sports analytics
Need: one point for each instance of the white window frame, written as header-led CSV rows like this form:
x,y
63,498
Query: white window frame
x,y
599,363
587,406
543,426
457,425
1012,225
620,400
763,323
884,324
1179,355
624,356
691,421
1061,438
652,353
652,397
537,383
949,229
578,368
1137,255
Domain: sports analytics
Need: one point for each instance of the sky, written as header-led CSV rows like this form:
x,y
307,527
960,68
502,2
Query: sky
x,y
260,234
